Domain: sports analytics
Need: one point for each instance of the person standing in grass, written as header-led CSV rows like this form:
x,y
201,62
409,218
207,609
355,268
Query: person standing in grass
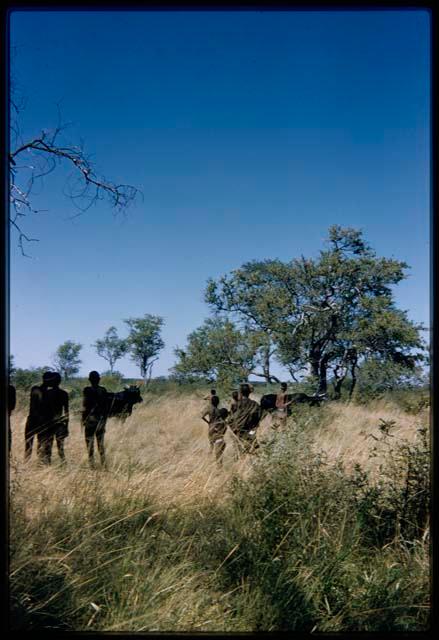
x,y
282,407
234,403
38,417
245,421
94,417
217,428
58,400
211,395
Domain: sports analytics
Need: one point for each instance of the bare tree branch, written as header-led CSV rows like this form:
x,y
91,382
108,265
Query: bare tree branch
x,y
32,160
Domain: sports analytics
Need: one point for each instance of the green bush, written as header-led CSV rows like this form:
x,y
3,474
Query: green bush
x,y
24,379
377,379
304,545
397,504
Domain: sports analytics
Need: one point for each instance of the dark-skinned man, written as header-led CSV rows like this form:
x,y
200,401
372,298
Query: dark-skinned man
x,y
282,407
245,421
217,428
94,417
58,400
38,418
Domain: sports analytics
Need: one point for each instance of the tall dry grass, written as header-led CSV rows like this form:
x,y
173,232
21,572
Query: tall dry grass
x,y
120,549
162,449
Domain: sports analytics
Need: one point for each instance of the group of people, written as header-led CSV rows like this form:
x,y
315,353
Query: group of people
x,y
48,418
242,419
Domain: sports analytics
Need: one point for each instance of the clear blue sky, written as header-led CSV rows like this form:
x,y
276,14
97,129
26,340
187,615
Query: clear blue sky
x,y
249,133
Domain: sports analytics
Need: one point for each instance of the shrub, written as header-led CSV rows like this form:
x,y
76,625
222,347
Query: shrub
x,y
397,503
25,378
378,378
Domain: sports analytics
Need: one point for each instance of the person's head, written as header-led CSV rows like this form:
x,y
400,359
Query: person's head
x,y
48,378
245,390
235,395
213,392
94,377
283,386
215,401
56,381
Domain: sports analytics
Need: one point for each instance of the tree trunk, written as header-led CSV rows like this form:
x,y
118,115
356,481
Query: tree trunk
x,y
266,366
353,383
323,383
354,379
338,382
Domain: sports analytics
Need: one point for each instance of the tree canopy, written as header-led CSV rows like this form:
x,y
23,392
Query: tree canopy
x,y
66,359
145,342
111,348
328,313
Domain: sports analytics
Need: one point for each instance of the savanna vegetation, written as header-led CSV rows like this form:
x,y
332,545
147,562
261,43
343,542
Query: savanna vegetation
x,y
326,529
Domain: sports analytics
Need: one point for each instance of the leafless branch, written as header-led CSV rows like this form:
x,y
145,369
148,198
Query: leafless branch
x,y
34,159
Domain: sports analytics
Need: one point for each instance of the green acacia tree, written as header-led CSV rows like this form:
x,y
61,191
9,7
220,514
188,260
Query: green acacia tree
x,y
145,342
111,348
215,352
66,359
325,315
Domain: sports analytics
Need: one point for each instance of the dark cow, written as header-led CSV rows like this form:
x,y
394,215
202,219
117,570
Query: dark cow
x,y
120,404
268,401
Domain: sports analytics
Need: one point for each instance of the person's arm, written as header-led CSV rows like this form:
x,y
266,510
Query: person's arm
x,y
35,397
85,406
66,408
203,415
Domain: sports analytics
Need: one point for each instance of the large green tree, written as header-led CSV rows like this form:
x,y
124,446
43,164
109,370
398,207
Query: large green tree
x,y
111,348
327,314
66,359
145,342
218,352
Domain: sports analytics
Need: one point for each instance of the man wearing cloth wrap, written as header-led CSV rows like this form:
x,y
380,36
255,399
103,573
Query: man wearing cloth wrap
x,y
244,421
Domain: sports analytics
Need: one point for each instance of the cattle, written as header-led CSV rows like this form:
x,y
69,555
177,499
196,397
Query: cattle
x,y
120,404
268,401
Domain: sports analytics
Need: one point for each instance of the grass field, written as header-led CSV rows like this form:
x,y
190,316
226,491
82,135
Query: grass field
x,y
165,540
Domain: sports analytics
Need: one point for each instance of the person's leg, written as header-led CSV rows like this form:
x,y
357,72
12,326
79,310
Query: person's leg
x,y
239,446
43,446
219,446
89,431
29,435
60,447
48,446
100,434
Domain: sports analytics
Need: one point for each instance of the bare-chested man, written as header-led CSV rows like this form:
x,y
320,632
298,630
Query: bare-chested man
x,y
282,407
94,417
38,417
217,427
